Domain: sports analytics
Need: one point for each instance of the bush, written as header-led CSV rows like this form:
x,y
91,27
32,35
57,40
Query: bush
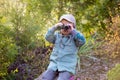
x,y
29,65
114,73
8,50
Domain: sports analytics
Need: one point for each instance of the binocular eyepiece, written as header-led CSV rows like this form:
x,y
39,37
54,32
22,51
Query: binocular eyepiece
x,y
66,27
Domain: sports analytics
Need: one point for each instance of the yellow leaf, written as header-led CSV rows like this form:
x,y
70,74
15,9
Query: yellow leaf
x,y
3,20
16,70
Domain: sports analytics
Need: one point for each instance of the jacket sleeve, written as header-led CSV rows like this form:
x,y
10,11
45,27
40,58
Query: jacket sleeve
x,y
50,35
79,38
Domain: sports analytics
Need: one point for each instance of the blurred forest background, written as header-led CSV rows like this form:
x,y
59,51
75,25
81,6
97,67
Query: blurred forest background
x,y
24,53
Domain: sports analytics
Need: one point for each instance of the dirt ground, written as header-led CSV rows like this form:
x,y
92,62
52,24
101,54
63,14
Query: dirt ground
x,y
95,68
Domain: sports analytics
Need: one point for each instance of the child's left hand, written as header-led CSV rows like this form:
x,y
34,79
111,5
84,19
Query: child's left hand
x,y
71,28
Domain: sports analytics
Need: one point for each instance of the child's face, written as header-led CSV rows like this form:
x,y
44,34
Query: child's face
x,y
68,31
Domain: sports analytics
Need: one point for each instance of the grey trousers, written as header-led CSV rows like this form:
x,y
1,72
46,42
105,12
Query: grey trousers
x,y
51,75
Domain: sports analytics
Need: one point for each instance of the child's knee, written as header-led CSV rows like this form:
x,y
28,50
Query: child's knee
x,y
48,75
64,76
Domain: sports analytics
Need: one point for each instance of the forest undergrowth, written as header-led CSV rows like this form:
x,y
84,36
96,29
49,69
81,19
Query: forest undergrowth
x,y
94,65
98,65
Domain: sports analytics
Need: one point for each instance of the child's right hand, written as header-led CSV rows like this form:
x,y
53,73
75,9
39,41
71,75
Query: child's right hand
x,y
58,25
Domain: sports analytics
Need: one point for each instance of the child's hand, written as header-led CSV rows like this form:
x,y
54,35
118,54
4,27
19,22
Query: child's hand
x,y
58,25
71,27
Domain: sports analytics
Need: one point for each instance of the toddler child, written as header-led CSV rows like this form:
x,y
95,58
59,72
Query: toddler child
x,y
66,40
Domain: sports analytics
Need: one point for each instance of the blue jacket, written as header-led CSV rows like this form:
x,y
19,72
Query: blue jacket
x,y
64,54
